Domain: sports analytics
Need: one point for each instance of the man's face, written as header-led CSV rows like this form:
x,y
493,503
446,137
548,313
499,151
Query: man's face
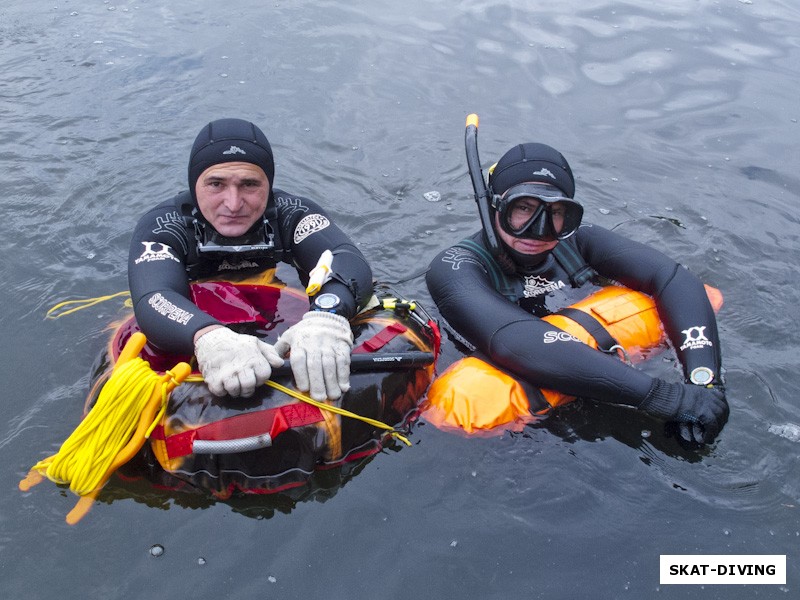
x,y
232,196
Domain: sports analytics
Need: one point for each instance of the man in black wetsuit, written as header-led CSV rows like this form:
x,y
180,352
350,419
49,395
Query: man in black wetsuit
x,y
232,220
544,260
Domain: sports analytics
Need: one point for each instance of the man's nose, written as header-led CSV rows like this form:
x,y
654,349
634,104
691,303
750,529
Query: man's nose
x,y
233,198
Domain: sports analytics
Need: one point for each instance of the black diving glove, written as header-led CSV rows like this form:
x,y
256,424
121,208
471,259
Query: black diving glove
x,y
700,412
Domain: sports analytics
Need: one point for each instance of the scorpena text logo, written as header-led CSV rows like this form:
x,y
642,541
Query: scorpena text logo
x,y
551,337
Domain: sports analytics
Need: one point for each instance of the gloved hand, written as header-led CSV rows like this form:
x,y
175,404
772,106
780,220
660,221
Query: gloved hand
x,y
234,363
320,346
700,412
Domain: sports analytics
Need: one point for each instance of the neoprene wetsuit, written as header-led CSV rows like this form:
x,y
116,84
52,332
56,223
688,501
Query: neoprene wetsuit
x,y
500,319
164,258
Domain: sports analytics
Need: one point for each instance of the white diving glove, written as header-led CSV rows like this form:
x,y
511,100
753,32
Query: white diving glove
x,y
320,346
234,363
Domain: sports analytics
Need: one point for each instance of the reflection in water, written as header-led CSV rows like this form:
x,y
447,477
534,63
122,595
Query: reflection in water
x,y
145,482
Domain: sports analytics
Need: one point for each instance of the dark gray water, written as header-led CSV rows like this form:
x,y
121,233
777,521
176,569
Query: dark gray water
x,y
681,123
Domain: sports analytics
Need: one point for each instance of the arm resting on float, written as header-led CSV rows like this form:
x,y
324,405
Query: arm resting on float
x,y
516,341
681,299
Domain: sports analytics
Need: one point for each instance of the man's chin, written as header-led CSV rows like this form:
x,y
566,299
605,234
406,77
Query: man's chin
x,y
231,230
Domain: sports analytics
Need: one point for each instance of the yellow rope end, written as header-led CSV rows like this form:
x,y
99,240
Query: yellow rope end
x,y
402,438
77,305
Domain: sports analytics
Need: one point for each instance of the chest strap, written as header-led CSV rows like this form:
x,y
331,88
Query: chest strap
x,y
500,281
567,255
605,342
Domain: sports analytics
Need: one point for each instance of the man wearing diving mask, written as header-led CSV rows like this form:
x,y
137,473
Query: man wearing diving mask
x,y
231,219
534,257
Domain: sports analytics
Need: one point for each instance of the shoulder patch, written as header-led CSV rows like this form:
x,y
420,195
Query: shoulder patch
x,y
173,224
455,256
309,225
155,251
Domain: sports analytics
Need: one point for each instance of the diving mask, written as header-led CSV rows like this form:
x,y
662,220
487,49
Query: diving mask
x,y
537,211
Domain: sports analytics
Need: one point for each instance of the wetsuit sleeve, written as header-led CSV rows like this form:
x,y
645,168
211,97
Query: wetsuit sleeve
x,y
309,231
518,341
681,299
159,284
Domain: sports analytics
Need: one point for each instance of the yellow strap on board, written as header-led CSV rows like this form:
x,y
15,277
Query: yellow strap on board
x,y
322,406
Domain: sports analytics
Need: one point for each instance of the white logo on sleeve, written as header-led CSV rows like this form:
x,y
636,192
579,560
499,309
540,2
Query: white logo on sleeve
x,y
154,251
308,225
551,337
166,308
695,337
455,256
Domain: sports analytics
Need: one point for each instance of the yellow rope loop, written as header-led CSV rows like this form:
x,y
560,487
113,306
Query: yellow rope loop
x,y
85,457
322,406
77,305
170,381
339,411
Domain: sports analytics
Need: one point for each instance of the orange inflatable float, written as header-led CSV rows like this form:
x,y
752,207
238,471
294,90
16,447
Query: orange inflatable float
x,y
475,397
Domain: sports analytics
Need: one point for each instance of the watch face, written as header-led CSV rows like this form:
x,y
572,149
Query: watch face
x,y
327,301
701,376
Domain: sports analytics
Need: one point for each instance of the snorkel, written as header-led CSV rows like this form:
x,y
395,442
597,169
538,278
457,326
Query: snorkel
x,y
482,196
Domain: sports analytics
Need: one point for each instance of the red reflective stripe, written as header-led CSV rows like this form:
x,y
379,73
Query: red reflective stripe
x,y
273,421
380,339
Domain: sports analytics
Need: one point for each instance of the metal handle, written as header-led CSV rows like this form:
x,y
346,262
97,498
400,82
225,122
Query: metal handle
x,y
232,446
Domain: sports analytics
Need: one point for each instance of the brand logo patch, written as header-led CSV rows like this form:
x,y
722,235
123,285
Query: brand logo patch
x,y
245,264
536,286
455,256
166,308
234,150
154,251
544,172
551,337
695,338
173,224
309,225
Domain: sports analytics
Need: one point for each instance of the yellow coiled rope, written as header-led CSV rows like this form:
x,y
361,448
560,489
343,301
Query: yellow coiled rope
x,y
113,431
89,451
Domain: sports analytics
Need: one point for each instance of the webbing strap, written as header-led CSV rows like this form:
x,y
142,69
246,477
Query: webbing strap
x,y
573,263
380,339
500,282
273,421
605,342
